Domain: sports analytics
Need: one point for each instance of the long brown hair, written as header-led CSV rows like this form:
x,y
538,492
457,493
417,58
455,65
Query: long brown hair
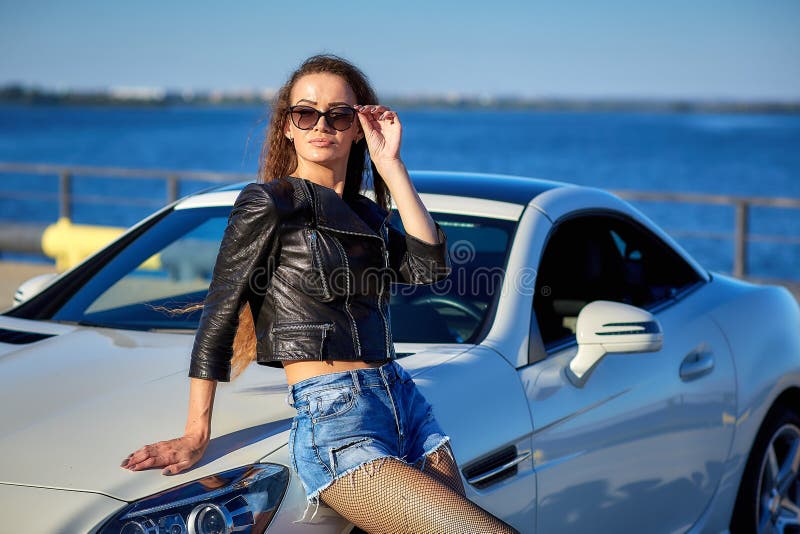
x,y
278,158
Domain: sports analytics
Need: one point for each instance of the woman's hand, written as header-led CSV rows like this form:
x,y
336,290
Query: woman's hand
x,y
382,130
175,455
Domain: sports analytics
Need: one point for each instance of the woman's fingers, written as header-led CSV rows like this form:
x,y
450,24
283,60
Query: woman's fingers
x,y
154,455
372,109
376,118
154,459
136,456
377,113
145,464
176,467
176,455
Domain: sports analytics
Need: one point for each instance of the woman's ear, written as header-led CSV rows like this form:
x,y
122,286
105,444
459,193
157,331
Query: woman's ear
x,y
287,131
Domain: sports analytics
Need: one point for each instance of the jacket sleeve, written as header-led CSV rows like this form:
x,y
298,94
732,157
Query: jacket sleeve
x,y
416,262
240,270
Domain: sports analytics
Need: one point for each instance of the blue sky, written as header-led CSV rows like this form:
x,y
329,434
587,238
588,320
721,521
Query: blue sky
x,y
734,49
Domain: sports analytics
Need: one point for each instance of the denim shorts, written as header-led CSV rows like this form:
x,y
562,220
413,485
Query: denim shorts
x,y
347,419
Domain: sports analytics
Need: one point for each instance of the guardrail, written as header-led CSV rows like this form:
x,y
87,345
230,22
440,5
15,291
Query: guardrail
x,y
66,173
21,235
741,236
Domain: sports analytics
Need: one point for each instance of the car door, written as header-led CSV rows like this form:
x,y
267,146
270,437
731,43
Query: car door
x,y
640,446
480,404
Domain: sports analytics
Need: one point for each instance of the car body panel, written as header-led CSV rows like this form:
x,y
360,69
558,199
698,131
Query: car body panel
x,y
767,366
635,435
480,402
635,447
479,207
509,334
32,509
128,390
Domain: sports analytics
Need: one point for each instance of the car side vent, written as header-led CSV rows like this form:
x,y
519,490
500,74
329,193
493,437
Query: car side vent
x,y
498,466
17,337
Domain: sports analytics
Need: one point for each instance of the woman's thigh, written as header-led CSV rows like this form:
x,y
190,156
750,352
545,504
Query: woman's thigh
x,y
441,465
393,496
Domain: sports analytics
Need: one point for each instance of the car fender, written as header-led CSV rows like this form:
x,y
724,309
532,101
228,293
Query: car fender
x,y
767,365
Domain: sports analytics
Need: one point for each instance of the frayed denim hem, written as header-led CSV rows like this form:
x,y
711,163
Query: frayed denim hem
x,y
372,467
435,449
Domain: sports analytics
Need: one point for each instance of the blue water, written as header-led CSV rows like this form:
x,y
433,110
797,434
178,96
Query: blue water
x,y
706,153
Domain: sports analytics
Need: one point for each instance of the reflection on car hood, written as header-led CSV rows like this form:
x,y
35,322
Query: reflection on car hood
x,y
77,403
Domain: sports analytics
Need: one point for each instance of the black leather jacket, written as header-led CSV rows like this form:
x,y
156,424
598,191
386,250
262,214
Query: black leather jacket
x,y
315,269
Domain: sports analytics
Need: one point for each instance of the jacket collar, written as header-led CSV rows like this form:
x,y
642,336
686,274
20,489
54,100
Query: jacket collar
x,y
359,215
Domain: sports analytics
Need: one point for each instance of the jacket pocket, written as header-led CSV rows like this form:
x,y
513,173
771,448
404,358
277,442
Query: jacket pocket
x,y
301,340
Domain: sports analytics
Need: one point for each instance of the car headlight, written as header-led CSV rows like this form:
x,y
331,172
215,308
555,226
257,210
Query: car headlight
x,y
242,500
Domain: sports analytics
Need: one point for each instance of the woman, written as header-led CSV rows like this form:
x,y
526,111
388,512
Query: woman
x,y
364,439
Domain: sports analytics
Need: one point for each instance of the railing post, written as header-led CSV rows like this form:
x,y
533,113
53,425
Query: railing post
x,y
172,188
740,240
65,195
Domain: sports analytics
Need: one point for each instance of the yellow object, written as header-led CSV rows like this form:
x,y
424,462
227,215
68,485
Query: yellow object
x,y
69,244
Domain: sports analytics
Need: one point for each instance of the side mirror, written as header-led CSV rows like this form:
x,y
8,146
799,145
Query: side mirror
x,y
31,286
604,326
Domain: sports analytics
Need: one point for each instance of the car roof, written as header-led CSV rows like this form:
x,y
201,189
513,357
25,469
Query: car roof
x,y
500,187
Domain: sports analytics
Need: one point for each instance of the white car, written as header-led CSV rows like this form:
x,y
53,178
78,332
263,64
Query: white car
x,y
592,375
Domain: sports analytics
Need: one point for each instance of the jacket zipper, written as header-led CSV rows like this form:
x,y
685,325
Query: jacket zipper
x,y
387,339
323,276
301,326
356,339
385,251
324,328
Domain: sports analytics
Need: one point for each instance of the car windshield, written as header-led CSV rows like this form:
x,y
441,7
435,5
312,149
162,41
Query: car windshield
x,y
169,265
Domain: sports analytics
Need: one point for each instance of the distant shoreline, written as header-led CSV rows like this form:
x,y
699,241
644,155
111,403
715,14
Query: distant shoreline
x,y
18,95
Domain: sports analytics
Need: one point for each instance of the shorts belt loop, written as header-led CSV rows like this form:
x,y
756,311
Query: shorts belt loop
x,y
384,376
356,384
289,400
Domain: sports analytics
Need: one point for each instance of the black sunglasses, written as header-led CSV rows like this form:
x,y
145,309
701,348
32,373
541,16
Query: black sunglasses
x,y
339,118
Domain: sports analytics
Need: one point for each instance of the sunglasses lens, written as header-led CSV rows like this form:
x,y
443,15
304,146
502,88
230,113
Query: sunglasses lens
x,y
341,118
304,118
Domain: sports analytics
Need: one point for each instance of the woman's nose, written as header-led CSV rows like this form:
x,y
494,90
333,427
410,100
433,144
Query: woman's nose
x,y
322,124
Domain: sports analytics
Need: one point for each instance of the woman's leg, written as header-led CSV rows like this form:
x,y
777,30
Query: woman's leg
x,y
441,465
388,495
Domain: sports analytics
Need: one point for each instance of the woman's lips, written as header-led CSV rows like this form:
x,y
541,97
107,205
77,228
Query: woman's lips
x,y
321,143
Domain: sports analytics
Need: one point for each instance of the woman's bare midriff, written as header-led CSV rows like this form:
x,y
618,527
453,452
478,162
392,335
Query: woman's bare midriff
x,y
302,369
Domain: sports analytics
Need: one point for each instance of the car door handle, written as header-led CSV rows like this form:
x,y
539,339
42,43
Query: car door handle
x,y
477,479
697,363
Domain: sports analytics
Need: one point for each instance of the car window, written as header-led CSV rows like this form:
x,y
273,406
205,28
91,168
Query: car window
x,y
183,267
170,263
602,257
165,268
454,310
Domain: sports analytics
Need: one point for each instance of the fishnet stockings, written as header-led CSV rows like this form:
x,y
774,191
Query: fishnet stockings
x,y
441,466
390,496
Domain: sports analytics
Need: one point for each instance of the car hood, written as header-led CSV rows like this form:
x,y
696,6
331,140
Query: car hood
x,y
77,403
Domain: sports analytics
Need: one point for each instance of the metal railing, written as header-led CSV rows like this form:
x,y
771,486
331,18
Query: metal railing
x,y
742,205
66,173
741,235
